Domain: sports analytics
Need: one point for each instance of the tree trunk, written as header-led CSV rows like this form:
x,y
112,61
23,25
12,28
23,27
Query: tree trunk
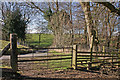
x,y
89,22
72,42
118,43
85,33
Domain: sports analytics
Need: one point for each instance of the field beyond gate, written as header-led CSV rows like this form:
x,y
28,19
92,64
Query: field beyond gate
x,y
47,58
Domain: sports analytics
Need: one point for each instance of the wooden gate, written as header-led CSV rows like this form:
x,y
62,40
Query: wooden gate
x,y
46,58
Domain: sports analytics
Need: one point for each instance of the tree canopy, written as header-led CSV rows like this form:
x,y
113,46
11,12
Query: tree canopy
x,y
14,23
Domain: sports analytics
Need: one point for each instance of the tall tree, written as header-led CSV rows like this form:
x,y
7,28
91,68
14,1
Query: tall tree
x,y
14,23
89,23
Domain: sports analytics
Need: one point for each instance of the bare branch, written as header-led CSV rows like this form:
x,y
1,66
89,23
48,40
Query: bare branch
x,y
111,7
35,7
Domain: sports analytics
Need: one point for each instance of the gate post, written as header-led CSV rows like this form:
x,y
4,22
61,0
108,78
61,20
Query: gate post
x,y
103,48
118,72
13,56
103,51
74,57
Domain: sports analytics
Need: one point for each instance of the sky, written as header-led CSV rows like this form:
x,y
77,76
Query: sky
x,y
59,0
38,22
33,24
35,19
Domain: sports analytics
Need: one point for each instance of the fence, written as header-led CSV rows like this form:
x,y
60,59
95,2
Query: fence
x,y
13,54
90,60
50,58
65,57
5,50
47,58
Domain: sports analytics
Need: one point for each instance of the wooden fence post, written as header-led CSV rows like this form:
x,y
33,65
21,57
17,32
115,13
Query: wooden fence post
x,y
118,58
103,48
13,47
74,57
103,51
91,58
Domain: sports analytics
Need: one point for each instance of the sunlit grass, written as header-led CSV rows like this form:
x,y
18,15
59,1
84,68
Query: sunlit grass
x,y
5,43
46,40
4,66
60,64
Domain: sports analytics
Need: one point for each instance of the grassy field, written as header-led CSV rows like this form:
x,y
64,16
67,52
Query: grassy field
x,y
60,64
33,39
45,40
4,43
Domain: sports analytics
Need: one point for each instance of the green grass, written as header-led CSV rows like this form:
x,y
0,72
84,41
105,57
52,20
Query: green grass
x,y
4,43
4,66
60,64
55,64
33,39
46,40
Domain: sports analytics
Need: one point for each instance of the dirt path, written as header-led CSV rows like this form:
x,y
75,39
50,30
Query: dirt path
x,y
24,55
35,72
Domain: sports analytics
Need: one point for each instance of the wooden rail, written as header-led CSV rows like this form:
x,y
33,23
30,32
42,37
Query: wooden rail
x,y
48,48
43,59
5,50
47,56
96,56
98,62
78,58
79,52
83,59
51,59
